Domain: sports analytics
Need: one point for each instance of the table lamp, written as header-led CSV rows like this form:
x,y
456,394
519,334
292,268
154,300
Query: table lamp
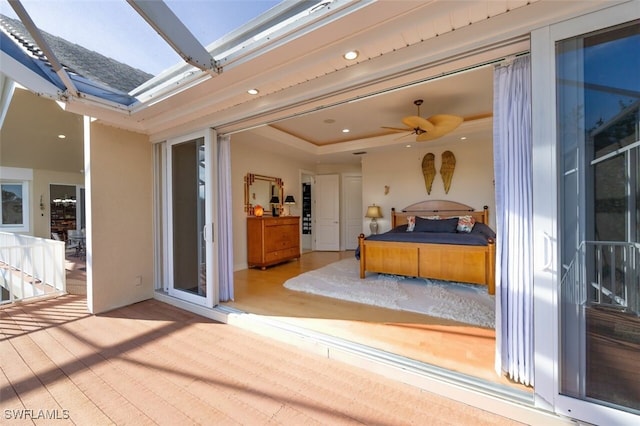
x,y
289,200
374,213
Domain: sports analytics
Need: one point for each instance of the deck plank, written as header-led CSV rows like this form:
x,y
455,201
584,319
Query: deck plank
x,y
151,363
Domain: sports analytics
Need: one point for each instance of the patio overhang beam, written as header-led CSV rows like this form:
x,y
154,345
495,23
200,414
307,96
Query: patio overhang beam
x,y
162,19
6,93
44,46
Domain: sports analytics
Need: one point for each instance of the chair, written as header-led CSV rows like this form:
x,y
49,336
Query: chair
x,y
74,241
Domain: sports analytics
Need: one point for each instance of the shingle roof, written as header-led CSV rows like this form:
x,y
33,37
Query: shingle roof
x,y
79,60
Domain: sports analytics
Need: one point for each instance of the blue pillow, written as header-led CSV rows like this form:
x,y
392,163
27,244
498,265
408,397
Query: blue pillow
x,y
481,228
436,225
397,229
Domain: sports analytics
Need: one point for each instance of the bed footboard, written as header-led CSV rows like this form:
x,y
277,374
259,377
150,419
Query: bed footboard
x,y
449,262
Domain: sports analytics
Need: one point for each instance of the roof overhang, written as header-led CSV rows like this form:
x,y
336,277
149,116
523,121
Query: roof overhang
x,y
299,67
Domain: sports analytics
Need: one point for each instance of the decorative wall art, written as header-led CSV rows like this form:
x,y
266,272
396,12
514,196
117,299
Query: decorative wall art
x,y
446,169
429,170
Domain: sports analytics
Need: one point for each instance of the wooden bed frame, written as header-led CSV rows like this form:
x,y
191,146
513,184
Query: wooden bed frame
x,y
449,262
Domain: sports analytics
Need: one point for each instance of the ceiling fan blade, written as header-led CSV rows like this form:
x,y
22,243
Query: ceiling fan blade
x,y
398,129
416,122
403,136
446,121
442,124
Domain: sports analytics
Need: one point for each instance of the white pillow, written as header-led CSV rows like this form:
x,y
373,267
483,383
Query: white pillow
x,y
465,223
411,223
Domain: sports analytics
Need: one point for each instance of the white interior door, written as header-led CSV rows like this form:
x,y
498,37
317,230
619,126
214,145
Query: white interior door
x,y
190,217
353,214
327,213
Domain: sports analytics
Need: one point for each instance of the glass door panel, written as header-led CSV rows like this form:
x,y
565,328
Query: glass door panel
x,y
188,218
189,211
598,93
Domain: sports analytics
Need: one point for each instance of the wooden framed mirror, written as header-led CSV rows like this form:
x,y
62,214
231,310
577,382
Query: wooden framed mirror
x,y
260,190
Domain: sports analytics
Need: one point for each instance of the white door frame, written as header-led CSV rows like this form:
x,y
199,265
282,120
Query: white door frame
x,y
212,292
546,216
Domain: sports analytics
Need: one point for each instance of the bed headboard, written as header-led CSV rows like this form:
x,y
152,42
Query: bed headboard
x,y
440,208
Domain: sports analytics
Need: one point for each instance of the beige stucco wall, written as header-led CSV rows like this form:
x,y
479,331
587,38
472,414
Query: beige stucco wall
x,y
401,170
119,217
247,159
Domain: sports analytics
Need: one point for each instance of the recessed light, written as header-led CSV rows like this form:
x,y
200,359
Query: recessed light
x,y
351,55
463,138
329,121
345,130
61,136
253,91
407,146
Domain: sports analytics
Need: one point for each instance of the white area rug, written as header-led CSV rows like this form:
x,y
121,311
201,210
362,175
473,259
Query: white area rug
x,y
341,280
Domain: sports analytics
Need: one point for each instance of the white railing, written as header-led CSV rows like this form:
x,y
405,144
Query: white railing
x,y
604,273
30,267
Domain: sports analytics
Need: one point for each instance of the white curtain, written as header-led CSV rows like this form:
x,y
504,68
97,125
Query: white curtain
x,y
225,224
514,219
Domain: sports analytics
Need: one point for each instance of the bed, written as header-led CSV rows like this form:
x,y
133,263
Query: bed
x,y
467,257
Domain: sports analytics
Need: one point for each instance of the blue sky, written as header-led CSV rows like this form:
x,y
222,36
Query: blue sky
x,y
114,29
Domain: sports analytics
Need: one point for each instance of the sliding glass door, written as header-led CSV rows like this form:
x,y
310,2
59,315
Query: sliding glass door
x,y
588,276
190,217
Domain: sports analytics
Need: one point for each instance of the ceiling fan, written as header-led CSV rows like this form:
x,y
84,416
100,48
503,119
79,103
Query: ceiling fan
x,y
427,129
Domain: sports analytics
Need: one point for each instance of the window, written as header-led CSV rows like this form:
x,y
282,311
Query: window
x,y
15,206
14,209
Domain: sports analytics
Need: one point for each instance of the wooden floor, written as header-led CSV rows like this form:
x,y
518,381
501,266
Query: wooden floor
x,y
151,363
440,342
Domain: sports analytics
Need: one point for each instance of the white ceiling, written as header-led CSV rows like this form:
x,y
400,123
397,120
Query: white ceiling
x,y
468,94
465,94
30,135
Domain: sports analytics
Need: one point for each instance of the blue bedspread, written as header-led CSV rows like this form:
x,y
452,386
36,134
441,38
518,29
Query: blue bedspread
x,y
479,236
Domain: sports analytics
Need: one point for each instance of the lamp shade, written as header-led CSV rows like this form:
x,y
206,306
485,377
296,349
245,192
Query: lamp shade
x,y
374,212
275,205
289,199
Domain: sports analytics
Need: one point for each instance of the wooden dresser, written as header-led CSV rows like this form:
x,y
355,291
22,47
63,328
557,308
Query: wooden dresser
x,y
271,240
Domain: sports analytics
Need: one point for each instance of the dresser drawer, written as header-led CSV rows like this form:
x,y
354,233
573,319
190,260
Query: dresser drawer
x,y
282,221
283,254
279,237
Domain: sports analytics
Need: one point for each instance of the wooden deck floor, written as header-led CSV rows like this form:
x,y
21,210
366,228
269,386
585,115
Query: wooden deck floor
x,y
444,343
440,342
151,363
